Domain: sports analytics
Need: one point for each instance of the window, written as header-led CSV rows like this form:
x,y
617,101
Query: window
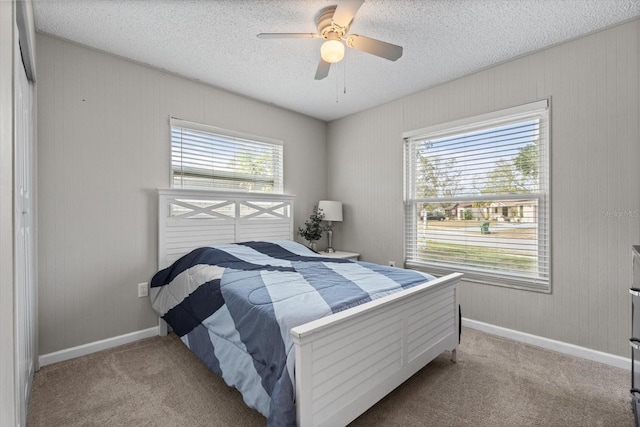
x,y
204,157
477,198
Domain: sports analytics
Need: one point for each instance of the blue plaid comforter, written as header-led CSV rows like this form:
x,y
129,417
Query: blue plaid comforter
x,y
234,305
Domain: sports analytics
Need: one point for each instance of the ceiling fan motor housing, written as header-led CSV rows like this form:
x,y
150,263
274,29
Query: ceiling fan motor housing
x,y
326,26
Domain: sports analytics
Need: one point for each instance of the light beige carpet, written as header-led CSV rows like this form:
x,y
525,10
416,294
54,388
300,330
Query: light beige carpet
x,y
496,382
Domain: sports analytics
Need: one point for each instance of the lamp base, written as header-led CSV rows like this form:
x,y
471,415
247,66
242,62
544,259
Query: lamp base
x,y
329,249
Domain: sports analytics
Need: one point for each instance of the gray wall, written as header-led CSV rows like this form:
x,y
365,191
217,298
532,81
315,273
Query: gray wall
x,y
595,155
103,150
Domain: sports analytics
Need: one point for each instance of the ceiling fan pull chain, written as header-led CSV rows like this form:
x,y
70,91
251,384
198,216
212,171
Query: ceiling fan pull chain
x,y
344,78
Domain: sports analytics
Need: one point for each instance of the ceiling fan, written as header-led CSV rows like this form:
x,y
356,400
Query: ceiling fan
x,y
333,26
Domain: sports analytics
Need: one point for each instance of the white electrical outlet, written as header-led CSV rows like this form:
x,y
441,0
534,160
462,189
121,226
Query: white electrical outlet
x,y
392,263
143,289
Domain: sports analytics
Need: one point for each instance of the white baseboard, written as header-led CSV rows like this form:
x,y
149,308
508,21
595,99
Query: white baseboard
x,y
83,350
559,346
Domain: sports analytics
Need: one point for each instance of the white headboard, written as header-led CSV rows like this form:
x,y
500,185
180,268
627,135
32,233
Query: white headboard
x,y
189,219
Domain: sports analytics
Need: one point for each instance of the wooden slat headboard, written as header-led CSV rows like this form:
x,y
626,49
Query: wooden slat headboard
x,y
189,219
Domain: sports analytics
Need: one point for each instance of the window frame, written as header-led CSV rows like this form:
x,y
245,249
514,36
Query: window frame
x,y
542,280
278,166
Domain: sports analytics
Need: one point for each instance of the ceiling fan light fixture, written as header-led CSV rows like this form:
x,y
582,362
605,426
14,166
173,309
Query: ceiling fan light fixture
x,y
332,51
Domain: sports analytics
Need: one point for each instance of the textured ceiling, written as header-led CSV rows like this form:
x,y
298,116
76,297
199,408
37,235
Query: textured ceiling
x,y
215,42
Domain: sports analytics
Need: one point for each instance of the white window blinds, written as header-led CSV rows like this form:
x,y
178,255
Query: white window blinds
x,y
477,198
204,157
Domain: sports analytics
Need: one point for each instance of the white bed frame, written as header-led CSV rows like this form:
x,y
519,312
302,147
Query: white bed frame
x,y
345,362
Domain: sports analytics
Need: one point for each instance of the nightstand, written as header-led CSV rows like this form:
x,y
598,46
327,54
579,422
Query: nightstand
x,y
340,254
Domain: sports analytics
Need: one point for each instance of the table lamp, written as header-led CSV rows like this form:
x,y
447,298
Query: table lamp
x,y
332,211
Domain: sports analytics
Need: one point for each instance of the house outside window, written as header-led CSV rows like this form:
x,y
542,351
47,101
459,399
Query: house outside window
x,y
208,158
477,198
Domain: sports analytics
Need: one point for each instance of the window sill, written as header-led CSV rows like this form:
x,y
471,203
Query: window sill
x,y
485,278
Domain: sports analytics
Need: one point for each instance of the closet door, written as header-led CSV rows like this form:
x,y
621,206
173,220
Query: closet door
x,y
24,240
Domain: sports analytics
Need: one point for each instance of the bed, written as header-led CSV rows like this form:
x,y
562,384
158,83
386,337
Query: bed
x,y
330,349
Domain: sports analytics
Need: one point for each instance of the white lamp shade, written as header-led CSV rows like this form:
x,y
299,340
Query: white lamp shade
x,y
332,51
332,210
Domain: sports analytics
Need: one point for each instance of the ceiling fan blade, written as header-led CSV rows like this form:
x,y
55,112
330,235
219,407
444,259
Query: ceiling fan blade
x,y
345,12
288,36
323,69
375,47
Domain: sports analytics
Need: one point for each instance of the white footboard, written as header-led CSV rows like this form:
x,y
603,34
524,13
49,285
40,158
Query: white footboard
x,y
348,361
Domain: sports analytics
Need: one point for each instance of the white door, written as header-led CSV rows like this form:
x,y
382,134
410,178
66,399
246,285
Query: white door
x,y
24,241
